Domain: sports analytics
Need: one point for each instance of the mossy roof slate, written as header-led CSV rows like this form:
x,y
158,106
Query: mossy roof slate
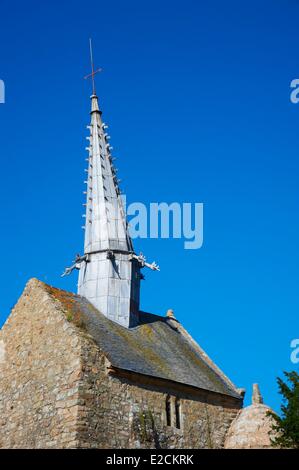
x,y
158,346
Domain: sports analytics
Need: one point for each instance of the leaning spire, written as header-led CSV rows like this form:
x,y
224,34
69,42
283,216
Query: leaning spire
x,y
109,274
105,222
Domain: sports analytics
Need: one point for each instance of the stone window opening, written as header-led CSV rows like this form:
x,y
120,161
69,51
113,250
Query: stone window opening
x,y
173,412
168,410
177,406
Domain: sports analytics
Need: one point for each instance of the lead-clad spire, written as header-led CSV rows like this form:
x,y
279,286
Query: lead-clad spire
x,y
105,226
109,269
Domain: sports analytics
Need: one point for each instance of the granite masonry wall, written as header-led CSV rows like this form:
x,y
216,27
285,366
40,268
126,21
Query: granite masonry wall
x,y
132,410
39,374
58,390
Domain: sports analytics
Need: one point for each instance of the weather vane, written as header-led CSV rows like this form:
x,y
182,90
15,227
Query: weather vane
x,y
93,71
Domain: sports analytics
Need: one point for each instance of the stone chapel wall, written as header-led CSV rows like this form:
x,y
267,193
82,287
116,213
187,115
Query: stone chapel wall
x,y
132,410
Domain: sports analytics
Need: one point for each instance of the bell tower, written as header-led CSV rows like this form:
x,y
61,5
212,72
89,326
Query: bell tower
x,y
109,270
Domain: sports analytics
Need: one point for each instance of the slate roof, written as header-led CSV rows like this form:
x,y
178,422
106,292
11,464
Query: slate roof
x,y
158,347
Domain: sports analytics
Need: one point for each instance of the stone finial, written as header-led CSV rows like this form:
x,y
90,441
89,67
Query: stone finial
x,y
170,313
241,392
256,395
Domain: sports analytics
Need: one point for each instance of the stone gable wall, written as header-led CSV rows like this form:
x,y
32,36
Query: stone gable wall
x,y
39,375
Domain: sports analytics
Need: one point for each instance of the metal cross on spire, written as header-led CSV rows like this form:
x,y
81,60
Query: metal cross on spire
x,y
93,71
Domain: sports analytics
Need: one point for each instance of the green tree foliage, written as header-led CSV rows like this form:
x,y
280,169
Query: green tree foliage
x,y
286,426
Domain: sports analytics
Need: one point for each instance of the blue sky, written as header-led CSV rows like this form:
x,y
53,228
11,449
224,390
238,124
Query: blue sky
x,y
196,95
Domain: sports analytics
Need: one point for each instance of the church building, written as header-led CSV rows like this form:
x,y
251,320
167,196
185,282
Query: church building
x,y
91,370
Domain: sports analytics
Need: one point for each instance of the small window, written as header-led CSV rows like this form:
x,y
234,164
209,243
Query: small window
x,y
177,413
168,411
